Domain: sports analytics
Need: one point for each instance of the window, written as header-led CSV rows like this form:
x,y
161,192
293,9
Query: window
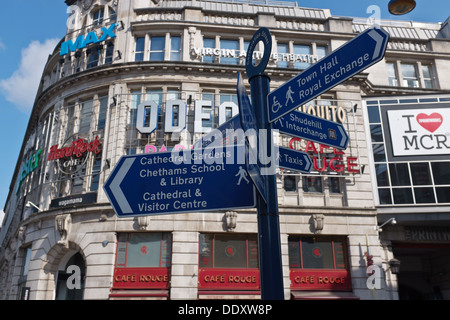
x,y
230,48
86,116
109,53
334,185
175,48
392,77
70,111
427,78
94,56
302,50
312,184
409,75
140,49
317,253
135,101
211,44
26,258
209,121
228,251
157,46
144,250
301,56
228,98
290,183
98,17
283,50
112,15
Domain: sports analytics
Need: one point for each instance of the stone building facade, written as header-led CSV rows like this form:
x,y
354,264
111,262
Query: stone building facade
x,y
140,76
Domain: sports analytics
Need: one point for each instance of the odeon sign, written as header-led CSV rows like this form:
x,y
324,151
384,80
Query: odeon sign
x,y
179,107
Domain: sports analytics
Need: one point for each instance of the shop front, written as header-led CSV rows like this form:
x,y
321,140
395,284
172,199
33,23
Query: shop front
x,y
228,267
411,179
424,255
142,269
319,268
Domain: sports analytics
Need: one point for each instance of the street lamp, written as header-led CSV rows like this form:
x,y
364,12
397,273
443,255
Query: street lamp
x,y
391,220
394,265
30,204
399,7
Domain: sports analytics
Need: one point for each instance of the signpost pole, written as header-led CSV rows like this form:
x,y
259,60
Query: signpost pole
x,y
271,273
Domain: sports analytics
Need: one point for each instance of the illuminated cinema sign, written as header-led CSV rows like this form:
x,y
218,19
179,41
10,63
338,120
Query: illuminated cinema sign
x,y
91,38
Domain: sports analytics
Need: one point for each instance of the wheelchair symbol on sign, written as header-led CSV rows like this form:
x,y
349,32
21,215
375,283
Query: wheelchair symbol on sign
x,y
275,105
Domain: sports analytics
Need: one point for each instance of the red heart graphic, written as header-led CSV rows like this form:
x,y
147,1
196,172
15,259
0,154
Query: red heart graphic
x,y
430,122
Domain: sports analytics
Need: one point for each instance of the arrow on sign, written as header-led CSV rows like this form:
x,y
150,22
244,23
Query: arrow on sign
x,y
305,126
116,190
353,57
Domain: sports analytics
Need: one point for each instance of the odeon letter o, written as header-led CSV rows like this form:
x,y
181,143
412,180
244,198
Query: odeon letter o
x,y
141,112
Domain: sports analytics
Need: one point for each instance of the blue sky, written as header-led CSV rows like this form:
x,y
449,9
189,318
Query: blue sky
x,y
32,28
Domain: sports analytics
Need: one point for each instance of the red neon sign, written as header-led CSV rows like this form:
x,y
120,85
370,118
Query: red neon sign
x,y
77,148
321,164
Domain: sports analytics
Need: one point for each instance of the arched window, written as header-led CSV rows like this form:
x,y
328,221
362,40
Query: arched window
x,y
97,16
70,282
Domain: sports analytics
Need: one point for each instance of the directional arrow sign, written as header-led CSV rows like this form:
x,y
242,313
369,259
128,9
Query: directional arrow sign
x,y
226,133
356,55
305,126
248,123
294,160
180,182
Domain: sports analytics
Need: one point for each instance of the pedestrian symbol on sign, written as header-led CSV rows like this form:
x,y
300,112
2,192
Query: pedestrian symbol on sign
x,y
242,175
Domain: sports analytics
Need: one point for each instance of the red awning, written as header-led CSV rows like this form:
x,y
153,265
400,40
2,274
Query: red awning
x,y
323,295
139,295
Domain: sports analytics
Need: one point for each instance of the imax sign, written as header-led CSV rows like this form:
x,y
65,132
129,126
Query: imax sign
x,y
91,38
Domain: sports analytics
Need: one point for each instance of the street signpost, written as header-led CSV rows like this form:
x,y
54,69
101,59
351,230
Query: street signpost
x,y
187,181
269,244
249,125
353,57
180,182
312,128
294,160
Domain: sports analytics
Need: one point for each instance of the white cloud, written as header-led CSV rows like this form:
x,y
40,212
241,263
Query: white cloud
x,y
2,46
2,215
20,89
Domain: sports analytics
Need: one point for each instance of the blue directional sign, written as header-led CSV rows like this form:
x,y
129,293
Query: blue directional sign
x,y
246,112
179,182
225,134
294,160
353,57
305,126
249,125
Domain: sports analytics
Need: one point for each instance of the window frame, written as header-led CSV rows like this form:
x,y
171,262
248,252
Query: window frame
x,y
204,242
396,74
